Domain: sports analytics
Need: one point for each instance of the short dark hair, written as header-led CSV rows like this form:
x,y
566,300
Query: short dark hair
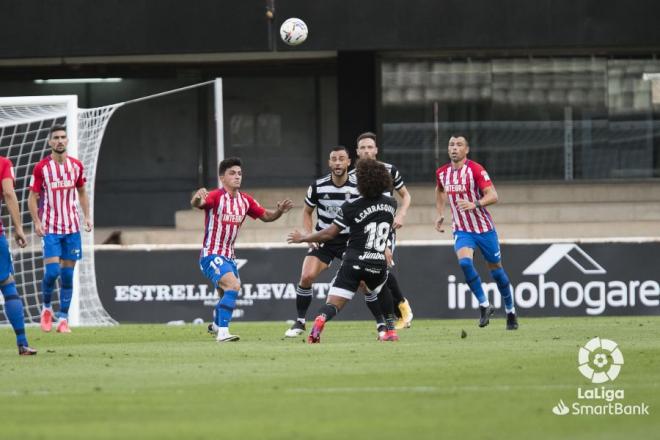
x,y
460,135
228,163
339,148
366,135
373,179
55,128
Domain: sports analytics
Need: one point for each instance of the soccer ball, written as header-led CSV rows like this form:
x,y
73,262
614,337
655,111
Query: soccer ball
x,y
293,31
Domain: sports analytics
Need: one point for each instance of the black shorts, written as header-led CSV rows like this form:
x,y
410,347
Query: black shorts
x,y
351,273
326,252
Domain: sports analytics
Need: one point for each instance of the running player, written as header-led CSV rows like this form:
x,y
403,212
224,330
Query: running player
x,y
327,195
469,189
370,219
367,149
225,209
56,181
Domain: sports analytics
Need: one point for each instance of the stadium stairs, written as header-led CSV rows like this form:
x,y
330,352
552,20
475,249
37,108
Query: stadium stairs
x,y
525,211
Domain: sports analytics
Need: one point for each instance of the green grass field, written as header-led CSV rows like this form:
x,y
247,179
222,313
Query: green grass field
x,y
160,382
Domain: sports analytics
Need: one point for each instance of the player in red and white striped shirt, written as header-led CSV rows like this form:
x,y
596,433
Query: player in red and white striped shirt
x,y
468,188
57,184
13,302
226,209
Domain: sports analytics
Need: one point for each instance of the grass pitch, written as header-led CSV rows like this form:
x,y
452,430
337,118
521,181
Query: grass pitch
x,y
159,382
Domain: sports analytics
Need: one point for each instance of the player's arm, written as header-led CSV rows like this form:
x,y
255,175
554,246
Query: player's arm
x,y
33,207
9,195
84,204
440,202
308,222
489,198
403,208
485,185
36,184
317,237
389,255
199,198
271,215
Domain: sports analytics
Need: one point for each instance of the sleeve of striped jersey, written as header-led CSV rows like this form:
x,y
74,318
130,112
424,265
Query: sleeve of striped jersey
x,y
7,171
212,200
391,236
81,177
397,179
255,210
312,198
37,180
438,181
481,177
343,217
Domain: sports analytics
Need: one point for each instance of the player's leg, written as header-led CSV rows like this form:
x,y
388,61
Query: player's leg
x,y
402,307
490,249
213,327
14,313
71,253
13,303
222,272
67,268
314,263
375,284
379,305
384,303
52,247
401,304
342,291
334,303
464,246
231,286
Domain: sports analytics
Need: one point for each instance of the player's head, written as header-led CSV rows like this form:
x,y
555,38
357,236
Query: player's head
x,y
366,146
458,148
57,139
373,179
339,161
231,173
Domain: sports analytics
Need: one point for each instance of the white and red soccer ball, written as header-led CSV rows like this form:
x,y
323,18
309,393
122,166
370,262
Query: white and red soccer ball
x,y
293,31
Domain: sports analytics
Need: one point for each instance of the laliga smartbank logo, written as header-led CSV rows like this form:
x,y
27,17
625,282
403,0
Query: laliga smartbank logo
x,y
600,361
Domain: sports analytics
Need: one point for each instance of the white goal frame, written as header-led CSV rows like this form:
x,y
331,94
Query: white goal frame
x,y
85,129
70,103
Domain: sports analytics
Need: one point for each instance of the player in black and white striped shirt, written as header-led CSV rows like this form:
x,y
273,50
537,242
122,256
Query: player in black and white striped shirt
x,y
326,195
367,149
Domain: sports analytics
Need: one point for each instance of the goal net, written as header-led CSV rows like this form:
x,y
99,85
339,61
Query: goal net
x,y
25,124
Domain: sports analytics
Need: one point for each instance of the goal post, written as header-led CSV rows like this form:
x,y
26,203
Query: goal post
x,y
25,124
219,122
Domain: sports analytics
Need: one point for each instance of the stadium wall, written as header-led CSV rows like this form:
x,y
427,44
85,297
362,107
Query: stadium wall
x,y
329,89
68,28
556,278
